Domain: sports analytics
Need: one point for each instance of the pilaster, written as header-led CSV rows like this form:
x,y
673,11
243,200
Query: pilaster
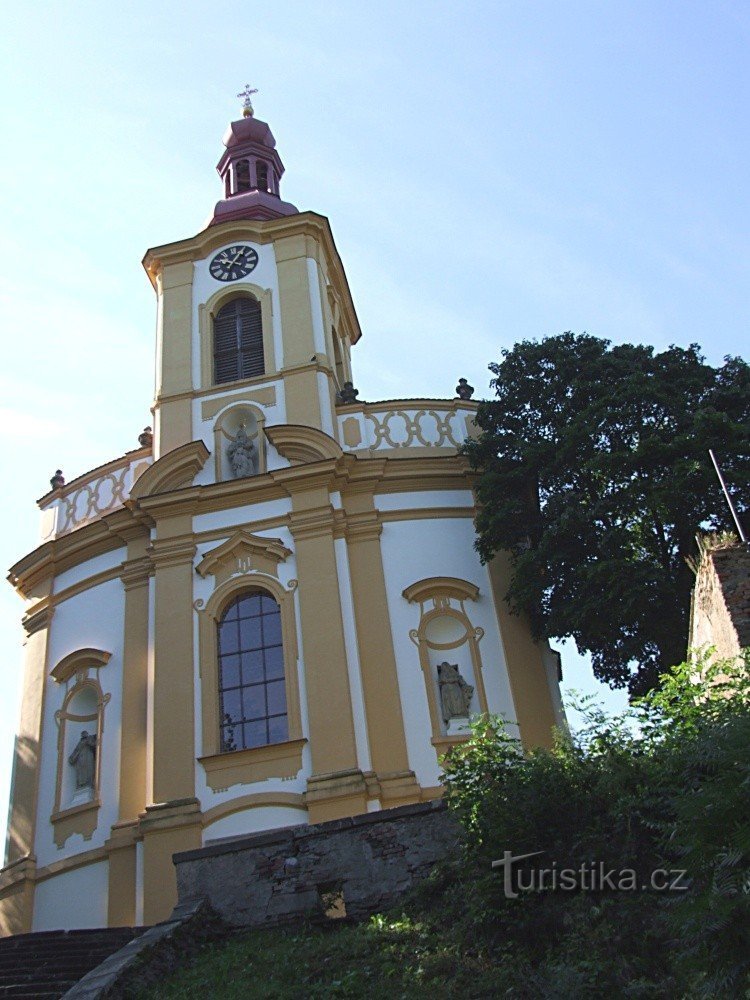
x,y
135,574
532,700
166,828
174,378
385,723
337,787
173,681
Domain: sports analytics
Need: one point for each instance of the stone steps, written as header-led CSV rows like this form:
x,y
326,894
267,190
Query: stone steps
x,y
46,964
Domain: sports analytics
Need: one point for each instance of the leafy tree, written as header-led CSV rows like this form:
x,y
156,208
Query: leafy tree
x,y
667,793
595,475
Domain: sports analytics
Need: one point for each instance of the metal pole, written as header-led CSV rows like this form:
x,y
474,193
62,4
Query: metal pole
x,y
729,499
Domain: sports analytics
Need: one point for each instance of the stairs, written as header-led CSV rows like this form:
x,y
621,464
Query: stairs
x,y
46,964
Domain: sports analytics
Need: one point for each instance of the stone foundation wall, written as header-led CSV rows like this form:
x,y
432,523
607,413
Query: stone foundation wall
x,y
721,601
367,862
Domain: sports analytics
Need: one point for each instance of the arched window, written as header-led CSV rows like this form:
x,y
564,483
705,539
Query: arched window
x,y
252,690
262,173
243,175
238,341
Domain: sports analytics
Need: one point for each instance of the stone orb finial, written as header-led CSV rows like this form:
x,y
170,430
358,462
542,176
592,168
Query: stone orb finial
x,y
464,390
58,480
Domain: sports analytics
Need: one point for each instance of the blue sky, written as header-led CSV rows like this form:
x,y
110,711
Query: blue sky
x,y
492,172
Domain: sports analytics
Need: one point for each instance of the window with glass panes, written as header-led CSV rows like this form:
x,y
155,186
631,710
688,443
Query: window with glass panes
x,y
251,673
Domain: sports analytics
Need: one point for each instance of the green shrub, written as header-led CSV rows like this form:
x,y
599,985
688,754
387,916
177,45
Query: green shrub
x,y
666,788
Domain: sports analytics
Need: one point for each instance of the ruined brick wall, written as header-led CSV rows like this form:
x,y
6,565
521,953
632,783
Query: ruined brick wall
x,y
272,878
721,600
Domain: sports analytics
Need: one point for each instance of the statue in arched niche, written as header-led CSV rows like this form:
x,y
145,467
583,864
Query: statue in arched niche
x,y
83,760
455,693
243,455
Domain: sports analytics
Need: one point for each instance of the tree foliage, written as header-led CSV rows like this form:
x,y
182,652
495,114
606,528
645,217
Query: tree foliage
x,y
595,476
670,793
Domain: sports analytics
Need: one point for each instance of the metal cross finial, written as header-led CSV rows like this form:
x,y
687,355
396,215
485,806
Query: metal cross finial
x,y
246,94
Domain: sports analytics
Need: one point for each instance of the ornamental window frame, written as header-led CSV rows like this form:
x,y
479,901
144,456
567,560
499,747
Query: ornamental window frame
x,y
246,562
445,597
79,672
207,313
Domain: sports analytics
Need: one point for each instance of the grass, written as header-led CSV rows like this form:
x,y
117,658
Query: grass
x,y
385,957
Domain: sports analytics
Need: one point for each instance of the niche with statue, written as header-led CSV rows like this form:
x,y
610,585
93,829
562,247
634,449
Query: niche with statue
x,y
239,443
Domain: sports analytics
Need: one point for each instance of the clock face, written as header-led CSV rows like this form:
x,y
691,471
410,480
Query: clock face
x,y
233,263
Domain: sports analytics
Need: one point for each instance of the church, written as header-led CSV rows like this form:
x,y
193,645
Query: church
x,y
271,611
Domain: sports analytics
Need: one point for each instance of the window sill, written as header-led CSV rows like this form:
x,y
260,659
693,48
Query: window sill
x,y
82,819
243,767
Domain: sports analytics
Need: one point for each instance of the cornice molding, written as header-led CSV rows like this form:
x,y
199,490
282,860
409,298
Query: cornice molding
x,y
38,619
172,551
350,474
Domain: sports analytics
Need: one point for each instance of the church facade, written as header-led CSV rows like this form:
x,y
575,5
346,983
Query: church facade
x,y
271,612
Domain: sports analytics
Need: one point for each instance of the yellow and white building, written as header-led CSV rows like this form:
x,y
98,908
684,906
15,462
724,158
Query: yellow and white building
x,y
246,614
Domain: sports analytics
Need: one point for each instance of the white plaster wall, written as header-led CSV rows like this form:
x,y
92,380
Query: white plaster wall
x,y
99,564
424,499
249,821
412,551
73,900
352,655
94,618
244,517
316,308
326,414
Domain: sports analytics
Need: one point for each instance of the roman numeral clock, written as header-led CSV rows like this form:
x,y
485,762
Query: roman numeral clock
x,y
234,263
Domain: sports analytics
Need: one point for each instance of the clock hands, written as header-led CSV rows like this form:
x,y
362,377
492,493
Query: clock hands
x,y
233,263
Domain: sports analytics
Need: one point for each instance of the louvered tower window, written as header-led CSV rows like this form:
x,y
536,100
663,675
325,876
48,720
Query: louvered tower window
x,y
238,341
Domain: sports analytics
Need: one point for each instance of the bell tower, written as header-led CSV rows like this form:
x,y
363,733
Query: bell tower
x,y
250,170
257,303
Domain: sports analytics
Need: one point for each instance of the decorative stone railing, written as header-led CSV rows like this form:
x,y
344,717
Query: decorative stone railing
x,y
90,496
401,424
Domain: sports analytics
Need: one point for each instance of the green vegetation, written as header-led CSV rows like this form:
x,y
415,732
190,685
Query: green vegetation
x,y
666,789
594,474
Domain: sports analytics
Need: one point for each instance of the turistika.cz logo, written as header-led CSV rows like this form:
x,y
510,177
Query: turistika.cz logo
x,y
592,876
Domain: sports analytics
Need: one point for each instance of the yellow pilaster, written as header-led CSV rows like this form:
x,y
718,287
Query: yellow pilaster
x,y
385,723
174,379
166,829
532,699
337,786
17,882
17,899
172,822
135,575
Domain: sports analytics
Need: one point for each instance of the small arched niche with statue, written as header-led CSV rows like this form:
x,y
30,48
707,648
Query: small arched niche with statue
x,y
449,656
239,442
80,725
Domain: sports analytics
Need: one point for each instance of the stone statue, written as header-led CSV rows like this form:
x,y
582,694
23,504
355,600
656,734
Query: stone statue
x,y
455,693
83,760
242,454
